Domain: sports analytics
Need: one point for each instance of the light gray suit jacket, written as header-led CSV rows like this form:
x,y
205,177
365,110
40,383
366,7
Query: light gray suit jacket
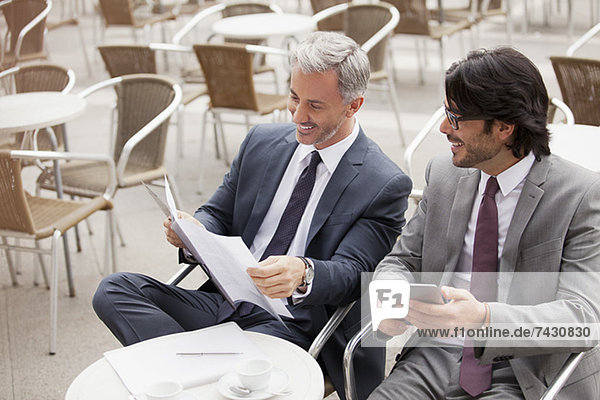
x,y
555,229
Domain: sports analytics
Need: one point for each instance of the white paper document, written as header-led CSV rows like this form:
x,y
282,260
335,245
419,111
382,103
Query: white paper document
x,y
226,258
156,359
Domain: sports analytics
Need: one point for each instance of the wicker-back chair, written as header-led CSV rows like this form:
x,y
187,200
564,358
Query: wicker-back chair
x,y
122,60
333,23
579,81
477,13
24,216
145,102
26,28
228,69
228,9
416,19
34,78
124,13
370,25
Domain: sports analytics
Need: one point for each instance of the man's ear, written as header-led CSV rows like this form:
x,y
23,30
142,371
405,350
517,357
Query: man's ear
x,y
354,106
505,131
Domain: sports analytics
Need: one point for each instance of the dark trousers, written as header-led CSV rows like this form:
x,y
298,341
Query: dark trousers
x,y
136,307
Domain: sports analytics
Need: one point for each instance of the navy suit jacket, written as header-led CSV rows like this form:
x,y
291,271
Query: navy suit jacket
x,y
356,222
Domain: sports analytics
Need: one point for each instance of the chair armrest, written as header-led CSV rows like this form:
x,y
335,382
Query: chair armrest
x,y
195,20
353,344
25,30
383,33
330,327
56,155
181,274
583,40
252,48
563,375
560,105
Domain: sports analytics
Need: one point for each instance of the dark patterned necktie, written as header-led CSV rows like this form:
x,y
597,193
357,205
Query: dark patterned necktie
x,y
475,378
286,230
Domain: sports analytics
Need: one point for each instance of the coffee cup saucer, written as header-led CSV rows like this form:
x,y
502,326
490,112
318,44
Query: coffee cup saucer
x,y
278,383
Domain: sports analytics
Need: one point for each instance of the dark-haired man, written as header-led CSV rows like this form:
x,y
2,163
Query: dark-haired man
x,y
512,233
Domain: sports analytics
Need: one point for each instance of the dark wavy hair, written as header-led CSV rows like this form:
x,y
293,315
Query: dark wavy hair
x,y
504,85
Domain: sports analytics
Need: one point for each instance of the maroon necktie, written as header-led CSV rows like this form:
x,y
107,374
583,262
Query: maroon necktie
x,y
475,378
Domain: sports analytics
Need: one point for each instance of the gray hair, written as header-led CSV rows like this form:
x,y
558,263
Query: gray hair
x,y
331,51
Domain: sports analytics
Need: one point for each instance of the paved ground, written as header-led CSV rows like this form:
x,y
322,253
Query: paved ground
x,y
26,369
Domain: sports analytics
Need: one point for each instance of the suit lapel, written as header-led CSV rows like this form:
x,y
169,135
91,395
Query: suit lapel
x,y
526,205
345,172
459,218
273,173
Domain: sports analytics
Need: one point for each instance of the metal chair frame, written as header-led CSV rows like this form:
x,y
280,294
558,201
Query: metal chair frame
x,y
104,200
22,33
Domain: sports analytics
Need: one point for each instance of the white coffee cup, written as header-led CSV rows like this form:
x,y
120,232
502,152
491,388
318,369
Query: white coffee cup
x,y
254,373
165,390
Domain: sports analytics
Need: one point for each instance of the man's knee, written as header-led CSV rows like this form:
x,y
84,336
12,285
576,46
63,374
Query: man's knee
x,y
110,287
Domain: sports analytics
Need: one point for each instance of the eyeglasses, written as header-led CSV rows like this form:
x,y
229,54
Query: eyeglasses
x,y
453,118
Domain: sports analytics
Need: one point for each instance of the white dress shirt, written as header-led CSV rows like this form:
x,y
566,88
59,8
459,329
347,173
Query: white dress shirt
x,y
331,157
511,183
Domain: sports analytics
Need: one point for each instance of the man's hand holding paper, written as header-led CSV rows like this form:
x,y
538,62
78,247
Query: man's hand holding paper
x,y
170,233
278,276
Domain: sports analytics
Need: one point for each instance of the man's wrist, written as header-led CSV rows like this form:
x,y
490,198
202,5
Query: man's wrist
x,y
486,316
309,272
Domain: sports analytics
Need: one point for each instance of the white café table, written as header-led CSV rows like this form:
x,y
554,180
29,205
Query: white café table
x,y
36,110
577,143
31,111
100,381
263,26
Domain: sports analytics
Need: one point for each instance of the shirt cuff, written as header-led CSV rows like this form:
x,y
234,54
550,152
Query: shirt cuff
x,y
298,295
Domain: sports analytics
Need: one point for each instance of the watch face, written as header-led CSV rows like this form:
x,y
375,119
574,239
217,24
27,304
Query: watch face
x,y
310,274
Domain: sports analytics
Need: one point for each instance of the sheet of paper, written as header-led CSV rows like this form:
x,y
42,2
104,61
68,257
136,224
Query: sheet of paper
x,y
226,259
156,360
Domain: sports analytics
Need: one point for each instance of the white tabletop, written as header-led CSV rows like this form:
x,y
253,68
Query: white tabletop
x,y
262,26
577,143
34,110
100,381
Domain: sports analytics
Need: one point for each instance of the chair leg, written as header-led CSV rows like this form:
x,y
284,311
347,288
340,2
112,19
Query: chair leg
x,y
68,266
202,155
42,266
110,256
54,292
219,122
118,230
11,268
396,106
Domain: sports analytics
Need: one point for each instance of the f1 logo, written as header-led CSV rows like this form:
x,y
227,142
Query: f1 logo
x,y
388,300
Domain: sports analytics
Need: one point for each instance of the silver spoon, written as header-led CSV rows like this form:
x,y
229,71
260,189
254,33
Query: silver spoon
x,y
243,391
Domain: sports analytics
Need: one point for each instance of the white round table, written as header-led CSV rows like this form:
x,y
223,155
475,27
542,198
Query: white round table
x,y
577,143
100,381
35,110
263,26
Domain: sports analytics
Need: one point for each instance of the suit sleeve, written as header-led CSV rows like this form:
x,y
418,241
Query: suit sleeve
x,y
337,280
405,258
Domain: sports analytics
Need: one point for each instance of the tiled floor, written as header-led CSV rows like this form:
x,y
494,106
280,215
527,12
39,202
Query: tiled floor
x,y
26,369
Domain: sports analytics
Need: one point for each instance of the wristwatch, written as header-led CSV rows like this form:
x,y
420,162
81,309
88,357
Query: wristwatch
x,y
309,271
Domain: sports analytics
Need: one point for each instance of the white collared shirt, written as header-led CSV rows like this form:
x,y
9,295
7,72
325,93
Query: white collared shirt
x,y
331,157
511,182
